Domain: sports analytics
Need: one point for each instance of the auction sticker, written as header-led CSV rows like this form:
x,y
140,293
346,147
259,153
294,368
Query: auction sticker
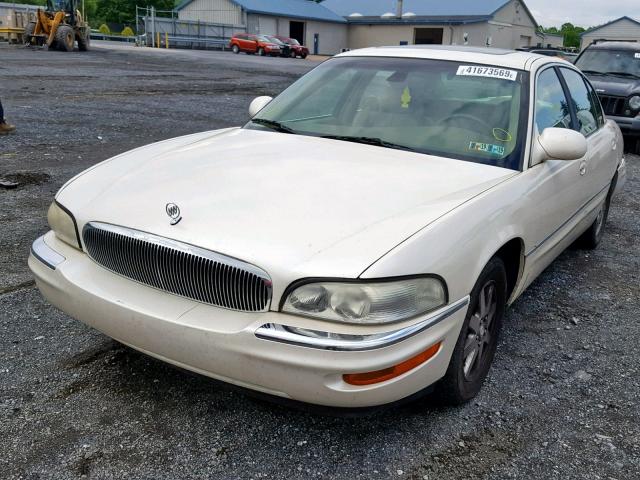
x,y
487,148
637,55
490,72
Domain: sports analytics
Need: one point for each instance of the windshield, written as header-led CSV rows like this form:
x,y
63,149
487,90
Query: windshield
x,y
275,40
293,41
455,110
264,38
610,61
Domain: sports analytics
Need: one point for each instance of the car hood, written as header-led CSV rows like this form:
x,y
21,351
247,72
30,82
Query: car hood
x,y
294,205
615,86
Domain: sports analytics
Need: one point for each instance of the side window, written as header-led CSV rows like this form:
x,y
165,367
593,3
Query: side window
x,y
582,101
552,108
597,106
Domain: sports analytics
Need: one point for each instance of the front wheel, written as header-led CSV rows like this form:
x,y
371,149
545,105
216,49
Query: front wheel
x,y
261,52
476,345
65,38
235,49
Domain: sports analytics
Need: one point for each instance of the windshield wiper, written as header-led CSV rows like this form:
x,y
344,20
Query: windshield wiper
x,y
369,141
624,74
593,72
272,124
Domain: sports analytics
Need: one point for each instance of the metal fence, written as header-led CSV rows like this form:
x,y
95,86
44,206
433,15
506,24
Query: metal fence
x,y
157,29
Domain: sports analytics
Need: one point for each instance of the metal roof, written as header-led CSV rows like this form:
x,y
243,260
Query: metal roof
x,y
593,29
449,8
303,9
19,6
421,20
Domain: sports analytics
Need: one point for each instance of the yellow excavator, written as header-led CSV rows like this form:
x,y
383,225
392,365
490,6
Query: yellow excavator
x,y
59,27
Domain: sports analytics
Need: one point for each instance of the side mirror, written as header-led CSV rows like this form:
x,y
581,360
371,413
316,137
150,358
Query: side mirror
x,y
258,104
561,144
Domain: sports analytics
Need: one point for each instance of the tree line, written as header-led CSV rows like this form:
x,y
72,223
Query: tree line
x,y
570,31
112,11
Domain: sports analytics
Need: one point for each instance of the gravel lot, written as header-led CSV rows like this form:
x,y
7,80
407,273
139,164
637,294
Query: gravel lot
x,y
561,401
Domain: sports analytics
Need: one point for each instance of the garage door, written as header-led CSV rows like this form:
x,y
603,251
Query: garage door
x,y
268,26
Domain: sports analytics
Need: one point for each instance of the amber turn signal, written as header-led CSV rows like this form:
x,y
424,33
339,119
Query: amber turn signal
x,y
385,374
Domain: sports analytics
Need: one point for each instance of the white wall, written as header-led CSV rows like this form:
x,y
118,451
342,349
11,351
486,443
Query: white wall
x,y
213,11
621,30
553,40
332,36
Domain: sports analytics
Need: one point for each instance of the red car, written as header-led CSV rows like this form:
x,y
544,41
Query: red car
x,y
250,44
297,50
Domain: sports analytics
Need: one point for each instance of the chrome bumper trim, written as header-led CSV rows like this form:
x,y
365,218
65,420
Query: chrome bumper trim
x,y
46,254
354,343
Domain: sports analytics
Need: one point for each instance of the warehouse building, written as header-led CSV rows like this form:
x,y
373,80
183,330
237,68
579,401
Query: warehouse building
x,y
624,28
334,25
496,23
312,24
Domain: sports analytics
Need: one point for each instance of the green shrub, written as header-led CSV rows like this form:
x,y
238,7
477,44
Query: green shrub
x,y
127,32
104,29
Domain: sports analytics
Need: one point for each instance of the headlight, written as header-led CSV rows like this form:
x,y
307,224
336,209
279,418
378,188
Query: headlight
x,y
367,303
63,224
634,102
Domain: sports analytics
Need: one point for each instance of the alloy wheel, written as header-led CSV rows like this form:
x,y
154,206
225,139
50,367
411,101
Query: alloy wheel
x,y
480,332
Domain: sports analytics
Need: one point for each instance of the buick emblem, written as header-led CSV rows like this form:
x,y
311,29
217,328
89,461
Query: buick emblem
x,y
173,211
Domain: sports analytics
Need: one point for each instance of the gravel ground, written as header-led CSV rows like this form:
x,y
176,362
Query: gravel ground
x,y
561,401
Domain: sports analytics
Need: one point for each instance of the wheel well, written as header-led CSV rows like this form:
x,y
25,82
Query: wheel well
x,y
511,256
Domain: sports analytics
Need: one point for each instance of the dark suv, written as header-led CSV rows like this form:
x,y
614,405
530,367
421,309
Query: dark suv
x,y
614,70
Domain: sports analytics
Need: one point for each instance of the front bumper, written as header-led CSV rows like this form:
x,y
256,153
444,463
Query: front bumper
x,y
628,125
224,344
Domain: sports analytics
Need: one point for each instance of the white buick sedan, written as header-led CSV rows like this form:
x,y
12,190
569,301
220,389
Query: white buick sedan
x,y
357,242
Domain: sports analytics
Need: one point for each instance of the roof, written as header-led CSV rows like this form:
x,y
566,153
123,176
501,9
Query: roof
x,y
303,9
414,20
483,56
19,6
593,29
449,8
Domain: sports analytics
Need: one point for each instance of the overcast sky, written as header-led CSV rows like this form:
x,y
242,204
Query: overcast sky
x,y
585,13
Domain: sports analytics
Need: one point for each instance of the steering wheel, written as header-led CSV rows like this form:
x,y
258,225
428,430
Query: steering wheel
x,y
465,117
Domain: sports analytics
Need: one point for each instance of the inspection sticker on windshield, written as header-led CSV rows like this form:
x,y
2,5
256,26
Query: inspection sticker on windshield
x,y
491,72
637,55
487,148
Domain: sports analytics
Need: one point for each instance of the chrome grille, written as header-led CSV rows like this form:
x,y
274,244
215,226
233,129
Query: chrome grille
x,y
179,268
613,105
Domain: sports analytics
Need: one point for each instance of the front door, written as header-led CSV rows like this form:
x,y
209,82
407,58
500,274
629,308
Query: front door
x,y
556,188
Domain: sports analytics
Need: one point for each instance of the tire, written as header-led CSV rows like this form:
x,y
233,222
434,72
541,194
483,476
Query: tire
x,y
84,41
28,31
293,54
590,239
235,49
261,52
480,332
304,55
65,38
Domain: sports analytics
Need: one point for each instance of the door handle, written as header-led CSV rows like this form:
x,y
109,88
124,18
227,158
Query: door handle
x,y
583,167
